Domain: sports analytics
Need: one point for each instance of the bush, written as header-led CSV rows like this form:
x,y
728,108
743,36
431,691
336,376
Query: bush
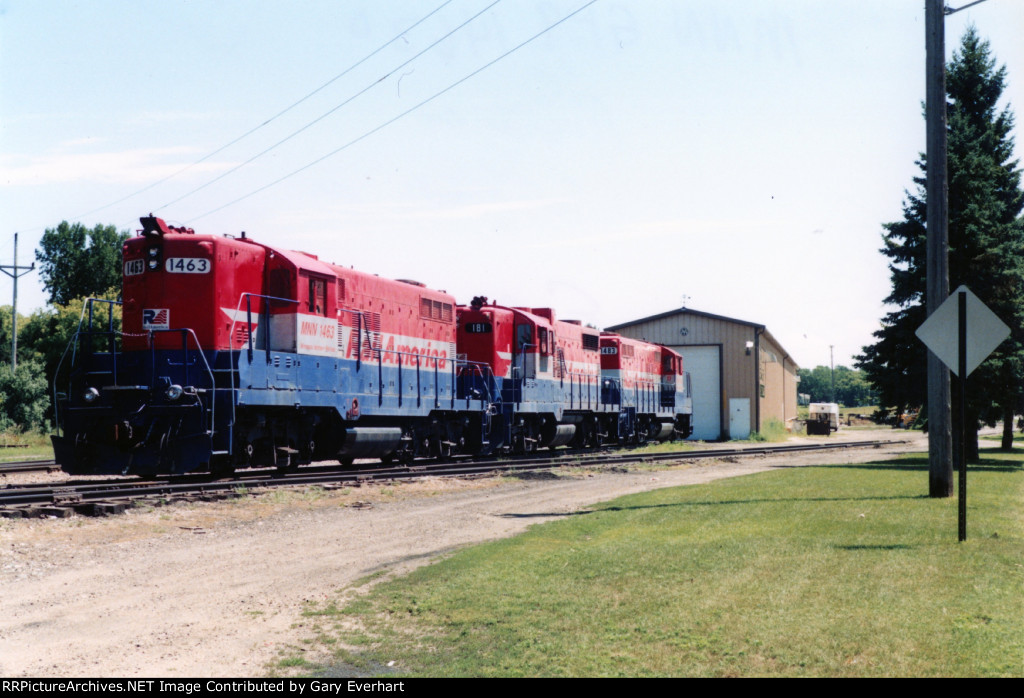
x,y
24,396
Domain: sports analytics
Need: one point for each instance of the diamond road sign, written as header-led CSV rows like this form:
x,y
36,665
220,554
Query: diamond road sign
x,y
985,331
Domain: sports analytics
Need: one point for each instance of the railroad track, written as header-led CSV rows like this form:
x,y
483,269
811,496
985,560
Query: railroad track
x,y
101,498
27,466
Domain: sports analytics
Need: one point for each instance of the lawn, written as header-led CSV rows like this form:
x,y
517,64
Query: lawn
x,y
815,571
18,446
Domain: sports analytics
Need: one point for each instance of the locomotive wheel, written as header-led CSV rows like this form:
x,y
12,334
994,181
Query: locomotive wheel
x,y
347,461
440,450
526,445
387,459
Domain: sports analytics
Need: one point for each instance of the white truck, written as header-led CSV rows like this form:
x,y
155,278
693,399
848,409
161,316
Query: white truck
x,y
822,418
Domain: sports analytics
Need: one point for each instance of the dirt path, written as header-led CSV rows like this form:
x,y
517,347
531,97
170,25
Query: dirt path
x,y
217,589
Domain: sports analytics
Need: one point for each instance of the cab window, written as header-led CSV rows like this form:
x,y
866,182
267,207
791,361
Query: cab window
x,y
318,296
524,336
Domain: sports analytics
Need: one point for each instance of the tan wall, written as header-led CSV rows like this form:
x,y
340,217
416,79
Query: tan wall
x,y
779,377
741,372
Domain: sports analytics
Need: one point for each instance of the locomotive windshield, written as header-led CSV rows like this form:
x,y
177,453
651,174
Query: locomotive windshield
x,y
524,336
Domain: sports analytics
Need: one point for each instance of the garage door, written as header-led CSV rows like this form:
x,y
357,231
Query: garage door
x,y
704,366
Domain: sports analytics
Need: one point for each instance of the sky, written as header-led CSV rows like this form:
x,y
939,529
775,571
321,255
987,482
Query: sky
x,y
738,158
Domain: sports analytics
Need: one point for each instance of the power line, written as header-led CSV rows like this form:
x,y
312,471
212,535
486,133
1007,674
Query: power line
x,y
396,118
276,116
328,113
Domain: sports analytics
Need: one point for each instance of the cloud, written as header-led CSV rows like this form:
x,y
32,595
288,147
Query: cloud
x,y
406,212
65,165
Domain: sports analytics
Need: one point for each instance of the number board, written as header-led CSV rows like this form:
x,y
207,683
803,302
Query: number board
x,y
187,265
134,267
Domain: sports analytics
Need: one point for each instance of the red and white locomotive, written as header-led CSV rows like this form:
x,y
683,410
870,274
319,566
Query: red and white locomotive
x,y
560,383
233,353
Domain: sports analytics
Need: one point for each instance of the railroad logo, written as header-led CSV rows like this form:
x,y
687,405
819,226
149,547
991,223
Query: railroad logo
x,y
156,319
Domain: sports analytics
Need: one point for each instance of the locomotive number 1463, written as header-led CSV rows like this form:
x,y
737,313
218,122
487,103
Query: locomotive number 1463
x,y
187,265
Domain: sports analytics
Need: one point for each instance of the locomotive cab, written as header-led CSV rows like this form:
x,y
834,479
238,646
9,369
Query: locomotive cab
x,y
155,400
640,383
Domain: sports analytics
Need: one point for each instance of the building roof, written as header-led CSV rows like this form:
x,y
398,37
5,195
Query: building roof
x,y
682,311
710,316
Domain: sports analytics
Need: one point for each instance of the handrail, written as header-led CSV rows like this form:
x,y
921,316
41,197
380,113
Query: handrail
x,y
187,332
72,345
247,297
486,374
88,303
419,358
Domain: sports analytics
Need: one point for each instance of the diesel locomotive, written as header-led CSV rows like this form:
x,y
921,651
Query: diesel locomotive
x,y
232,353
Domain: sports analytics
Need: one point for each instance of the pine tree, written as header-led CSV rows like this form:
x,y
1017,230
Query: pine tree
x,y
986,248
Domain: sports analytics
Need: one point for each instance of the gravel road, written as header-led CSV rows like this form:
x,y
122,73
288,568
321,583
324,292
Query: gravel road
x,y
217,589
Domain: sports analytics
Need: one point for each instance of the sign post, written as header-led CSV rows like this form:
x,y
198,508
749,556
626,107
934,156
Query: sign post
x,y
962,332
962,374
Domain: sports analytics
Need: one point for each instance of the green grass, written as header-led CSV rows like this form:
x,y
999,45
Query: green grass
x,y
818,571
666,447
16,445
772,430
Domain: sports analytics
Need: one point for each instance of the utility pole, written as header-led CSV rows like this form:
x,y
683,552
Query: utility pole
x,y
14,271
832,365
940,440
940,444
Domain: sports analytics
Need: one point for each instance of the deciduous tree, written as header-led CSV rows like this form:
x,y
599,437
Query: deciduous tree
x,y
75,261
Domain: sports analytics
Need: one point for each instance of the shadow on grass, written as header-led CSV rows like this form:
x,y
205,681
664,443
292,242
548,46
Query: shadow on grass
x,y
920,463
778,500
545,514
874,547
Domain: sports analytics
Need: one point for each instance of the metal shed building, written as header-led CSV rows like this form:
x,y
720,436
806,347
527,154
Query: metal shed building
x,y
740,374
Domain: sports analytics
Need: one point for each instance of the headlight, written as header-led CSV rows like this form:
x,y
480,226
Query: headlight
x,y
173,392
154,264
91,395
